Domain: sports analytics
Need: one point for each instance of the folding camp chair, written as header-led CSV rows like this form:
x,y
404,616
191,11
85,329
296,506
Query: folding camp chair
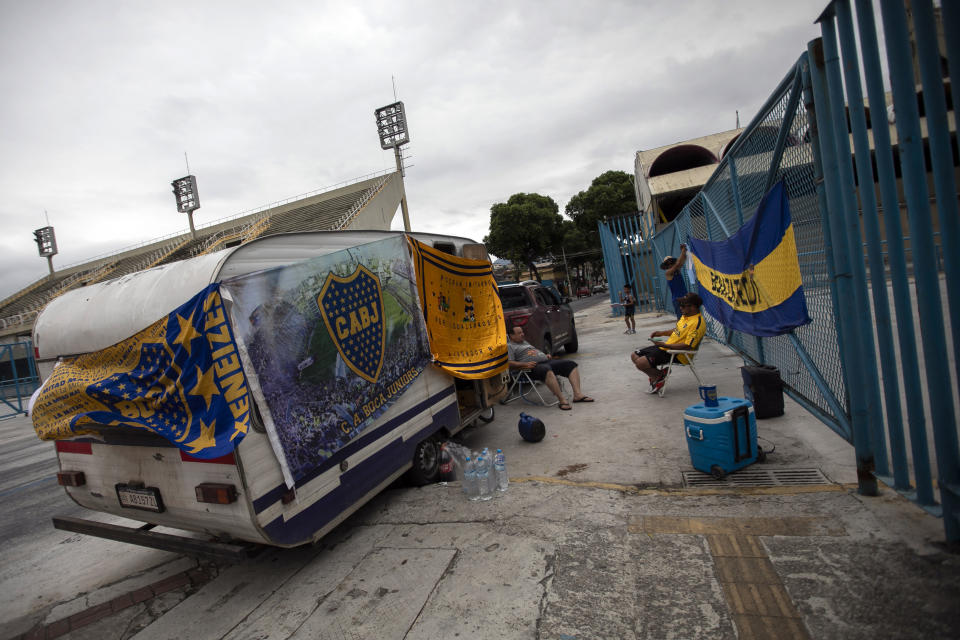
x,y
691,357
522,385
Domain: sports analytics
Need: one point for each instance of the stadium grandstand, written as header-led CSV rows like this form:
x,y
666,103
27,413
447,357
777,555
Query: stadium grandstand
x,y
369,202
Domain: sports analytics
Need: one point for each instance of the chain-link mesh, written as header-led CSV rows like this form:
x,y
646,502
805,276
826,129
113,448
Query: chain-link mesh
x,y
774,147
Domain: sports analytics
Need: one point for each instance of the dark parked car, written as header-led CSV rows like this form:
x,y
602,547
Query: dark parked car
x,y
583,292
546,320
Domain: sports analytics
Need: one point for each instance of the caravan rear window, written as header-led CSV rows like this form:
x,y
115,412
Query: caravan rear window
x,y
514,298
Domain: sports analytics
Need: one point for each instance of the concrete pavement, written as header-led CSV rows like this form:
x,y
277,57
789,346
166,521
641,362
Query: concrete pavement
x,y
598,536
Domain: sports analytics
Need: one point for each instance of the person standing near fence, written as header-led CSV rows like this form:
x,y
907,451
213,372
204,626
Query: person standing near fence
x,y
678,287
629,304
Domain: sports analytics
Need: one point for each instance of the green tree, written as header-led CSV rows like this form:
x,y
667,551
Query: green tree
x,y
525,228
610,194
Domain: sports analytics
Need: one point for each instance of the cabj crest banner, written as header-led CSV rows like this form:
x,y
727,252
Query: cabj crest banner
x,y
751,282
352,309
463,313
334,341
180,377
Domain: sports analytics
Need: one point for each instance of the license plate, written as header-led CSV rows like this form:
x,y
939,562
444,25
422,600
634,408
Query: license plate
x,y
146,498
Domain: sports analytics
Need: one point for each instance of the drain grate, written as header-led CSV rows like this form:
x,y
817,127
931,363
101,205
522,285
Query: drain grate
x,y
757,477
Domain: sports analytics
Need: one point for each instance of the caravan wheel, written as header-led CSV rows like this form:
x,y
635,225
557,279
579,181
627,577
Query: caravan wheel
x,y
426,463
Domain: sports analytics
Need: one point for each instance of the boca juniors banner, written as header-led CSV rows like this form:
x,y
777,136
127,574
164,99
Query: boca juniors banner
x,y
334,342
463,313
751,281
180,377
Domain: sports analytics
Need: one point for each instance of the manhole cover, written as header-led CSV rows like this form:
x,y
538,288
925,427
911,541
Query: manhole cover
x,y
757,477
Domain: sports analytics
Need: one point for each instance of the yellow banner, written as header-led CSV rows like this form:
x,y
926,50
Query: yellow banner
x,y
468,338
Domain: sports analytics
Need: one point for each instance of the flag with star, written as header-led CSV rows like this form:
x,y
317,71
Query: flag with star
x,y
180,378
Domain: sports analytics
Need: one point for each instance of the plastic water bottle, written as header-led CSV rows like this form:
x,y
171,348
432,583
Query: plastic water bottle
x,y
483,479
447,473
470,480
500,471
491,467
491,470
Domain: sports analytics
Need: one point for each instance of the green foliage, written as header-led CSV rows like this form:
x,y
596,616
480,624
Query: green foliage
x,y
572,238
610,194
525,228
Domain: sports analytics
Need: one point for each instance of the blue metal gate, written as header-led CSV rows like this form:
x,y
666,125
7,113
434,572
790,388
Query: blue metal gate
x,y
802,136
18,378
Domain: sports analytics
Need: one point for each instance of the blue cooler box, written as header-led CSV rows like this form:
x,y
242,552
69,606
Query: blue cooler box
x,y
721,439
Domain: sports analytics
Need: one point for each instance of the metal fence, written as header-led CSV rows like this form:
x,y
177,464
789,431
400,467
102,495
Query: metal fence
x,y
18,378
846,367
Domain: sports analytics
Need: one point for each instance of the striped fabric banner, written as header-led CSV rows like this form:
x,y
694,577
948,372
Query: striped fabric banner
x,y
462,310
751,281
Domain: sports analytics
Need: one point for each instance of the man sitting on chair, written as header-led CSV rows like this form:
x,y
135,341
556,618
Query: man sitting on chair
x,y
686,336
544,368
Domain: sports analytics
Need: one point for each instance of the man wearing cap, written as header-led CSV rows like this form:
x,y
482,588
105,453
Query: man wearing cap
x,y
678,288
686,336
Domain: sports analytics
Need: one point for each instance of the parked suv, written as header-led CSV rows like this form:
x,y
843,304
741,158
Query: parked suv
x,y
546,319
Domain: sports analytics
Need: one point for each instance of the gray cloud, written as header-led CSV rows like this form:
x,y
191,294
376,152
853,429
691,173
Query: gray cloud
x,y
103,98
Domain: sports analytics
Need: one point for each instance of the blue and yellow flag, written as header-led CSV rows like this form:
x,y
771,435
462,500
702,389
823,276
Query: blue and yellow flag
x,y
180,378
751,281
468,338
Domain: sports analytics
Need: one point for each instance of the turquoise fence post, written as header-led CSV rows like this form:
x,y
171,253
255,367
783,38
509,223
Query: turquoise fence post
x,y
896,257
867,379
929,307
941,160
842,425
850,347
871,227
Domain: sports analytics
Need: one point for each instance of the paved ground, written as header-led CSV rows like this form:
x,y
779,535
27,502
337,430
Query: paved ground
x,y
597,537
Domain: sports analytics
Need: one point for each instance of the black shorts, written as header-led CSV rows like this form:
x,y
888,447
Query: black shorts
x,y
628,310
657,356
559,367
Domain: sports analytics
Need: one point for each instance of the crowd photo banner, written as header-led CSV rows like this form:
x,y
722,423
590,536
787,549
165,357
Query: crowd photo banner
x,y
751,281
334,341
180,378
463,313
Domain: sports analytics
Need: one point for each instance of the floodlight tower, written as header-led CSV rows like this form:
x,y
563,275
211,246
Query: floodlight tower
x,y
188,199
392,128
46,244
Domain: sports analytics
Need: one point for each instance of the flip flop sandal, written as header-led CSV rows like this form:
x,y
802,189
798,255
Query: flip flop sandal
x,y
565,407
584,399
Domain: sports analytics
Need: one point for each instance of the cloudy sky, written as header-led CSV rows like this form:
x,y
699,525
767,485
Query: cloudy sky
x,y
272,100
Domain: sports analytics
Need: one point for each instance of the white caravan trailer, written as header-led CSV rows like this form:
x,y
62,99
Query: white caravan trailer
x,y
244,495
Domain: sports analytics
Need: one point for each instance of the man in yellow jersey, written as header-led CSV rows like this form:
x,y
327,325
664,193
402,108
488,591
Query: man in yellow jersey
x,y
686,336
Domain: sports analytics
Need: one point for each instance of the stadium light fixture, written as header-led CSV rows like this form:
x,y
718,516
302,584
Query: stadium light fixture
x,y
392,126
46,244
188,198
393,132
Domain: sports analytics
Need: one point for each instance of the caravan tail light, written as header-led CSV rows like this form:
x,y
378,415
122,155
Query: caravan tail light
x,y
69,446
215,493
71,479
519,321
